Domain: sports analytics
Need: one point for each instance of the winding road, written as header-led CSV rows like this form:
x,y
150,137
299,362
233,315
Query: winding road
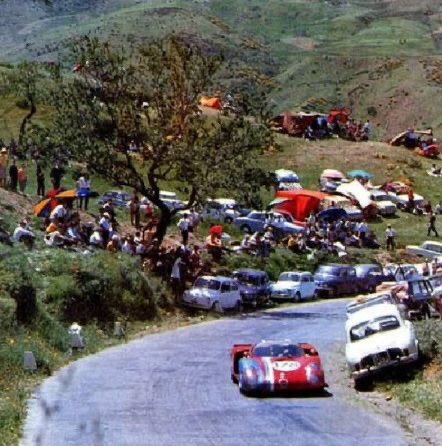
x,y
174,389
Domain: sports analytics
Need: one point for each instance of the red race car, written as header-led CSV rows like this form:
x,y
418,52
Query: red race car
x,y
276,366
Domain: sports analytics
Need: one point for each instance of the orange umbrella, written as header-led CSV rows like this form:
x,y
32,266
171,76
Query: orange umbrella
x,y
42,207
71,193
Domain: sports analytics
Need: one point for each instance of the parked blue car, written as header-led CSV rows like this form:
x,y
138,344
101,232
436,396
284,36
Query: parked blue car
x,y
370,275
256,221
254,286
333,280
119,198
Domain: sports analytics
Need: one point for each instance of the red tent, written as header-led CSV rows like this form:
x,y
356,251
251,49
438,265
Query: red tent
x,y
300,203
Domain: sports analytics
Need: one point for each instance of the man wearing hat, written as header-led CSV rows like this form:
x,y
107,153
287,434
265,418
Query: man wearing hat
x,y
3,165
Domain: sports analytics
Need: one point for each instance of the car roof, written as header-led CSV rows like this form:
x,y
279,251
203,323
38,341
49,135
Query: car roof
x,y
368,313
220,278
297,272
433,242
250,271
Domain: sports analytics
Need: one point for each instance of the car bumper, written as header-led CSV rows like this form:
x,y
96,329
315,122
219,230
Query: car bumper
x,y
195,304
376,369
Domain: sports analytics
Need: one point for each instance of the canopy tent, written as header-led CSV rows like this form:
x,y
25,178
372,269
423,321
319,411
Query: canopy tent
x,y
339,114
356,191
359,173
42,208
212,102
299,203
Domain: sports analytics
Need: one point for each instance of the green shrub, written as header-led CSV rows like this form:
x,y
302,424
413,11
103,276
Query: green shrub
x,y
7,314
429,334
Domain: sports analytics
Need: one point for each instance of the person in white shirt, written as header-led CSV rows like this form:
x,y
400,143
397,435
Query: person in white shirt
x,y
83,191
96,239
23,233
390,235
60,211
106,226
183,226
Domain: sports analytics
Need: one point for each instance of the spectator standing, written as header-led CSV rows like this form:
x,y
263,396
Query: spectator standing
x,y
22,178
56,175
13,176
432,225
40,181
83,191
184,226
3,166
176,278
390,236
134,210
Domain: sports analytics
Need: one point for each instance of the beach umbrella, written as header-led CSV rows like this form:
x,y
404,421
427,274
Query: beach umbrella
x,y
359,173
42,208
70,194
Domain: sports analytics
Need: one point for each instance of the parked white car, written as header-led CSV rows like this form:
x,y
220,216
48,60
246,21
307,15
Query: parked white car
x,y
378,338
383,202
428,249
294,285
370,300
216,293
221,209
401,200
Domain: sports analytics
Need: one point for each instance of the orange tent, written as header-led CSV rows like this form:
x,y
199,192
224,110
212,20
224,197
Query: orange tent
x,y
300,203
212,102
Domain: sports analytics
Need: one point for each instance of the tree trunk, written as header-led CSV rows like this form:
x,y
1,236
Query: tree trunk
x,y
23,125
163,224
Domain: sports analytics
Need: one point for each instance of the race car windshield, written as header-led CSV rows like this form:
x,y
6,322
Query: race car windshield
x,y
209,284
289,277
372,327
278,351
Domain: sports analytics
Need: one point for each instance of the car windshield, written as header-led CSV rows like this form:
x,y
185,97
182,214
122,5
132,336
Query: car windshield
x,y
211,284
278,350
331,270
250,279
377,325
290,277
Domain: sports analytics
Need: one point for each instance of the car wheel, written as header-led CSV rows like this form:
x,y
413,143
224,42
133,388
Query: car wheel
x,y
315,296
246,229
334,292
228,220
298,297
238,307
364,384
217,307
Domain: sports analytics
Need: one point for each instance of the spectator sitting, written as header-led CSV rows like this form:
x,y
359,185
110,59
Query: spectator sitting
x,y
59,212
435,170
96,239
114,244
54,225
245,244
23,233
128,246
214,246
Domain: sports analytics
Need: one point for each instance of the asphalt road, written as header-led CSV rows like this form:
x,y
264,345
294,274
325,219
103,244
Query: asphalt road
x,y
174,389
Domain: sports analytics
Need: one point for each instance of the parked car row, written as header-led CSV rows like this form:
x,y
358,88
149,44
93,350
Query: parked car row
x,y
253,288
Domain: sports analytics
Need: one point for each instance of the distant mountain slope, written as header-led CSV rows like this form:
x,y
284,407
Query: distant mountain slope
x,y
379,56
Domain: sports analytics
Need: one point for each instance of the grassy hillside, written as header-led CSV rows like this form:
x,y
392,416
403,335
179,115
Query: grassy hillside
x,y
377,55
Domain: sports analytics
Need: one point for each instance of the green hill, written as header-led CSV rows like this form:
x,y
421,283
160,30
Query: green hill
x,y
381,57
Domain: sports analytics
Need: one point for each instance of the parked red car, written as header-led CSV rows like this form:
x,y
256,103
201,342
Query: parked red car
x,y
276,366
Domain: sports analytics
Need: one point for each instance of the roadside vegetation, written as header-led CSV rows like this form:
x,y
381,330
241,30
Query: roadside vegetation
x,y
267,47
423,390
